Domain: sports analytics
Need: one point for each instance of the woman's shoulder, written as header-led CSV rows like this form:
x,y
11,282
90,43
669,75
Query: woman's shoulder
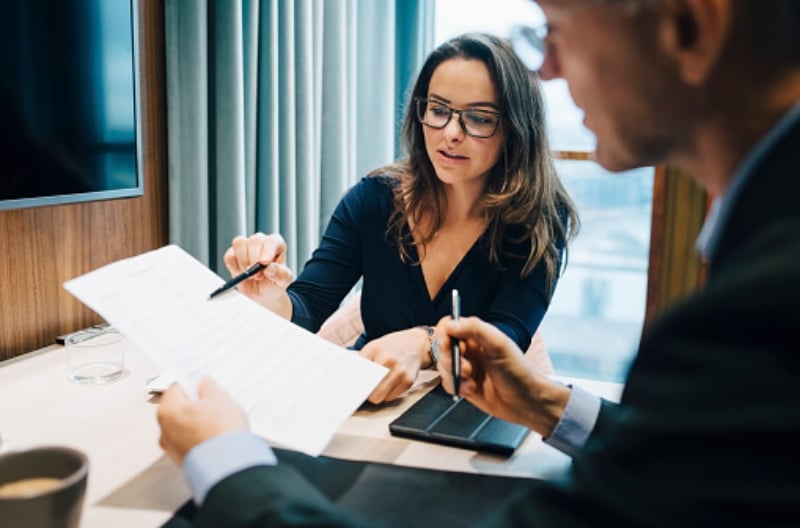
x,y
374,185
516,239
381,179
371,197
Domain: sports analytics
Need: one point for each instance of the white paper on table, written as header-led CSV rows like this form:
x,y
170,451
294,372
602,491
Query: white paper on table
x,y
296,387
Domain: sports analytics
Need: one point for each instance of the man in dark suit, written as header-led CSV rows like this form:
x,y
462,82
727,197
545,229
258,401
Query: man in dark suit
x,y
708,427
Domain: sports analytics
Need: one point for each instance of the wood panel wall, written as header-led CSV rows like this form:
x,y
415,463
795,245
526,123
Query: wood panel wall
x,y
44,246
676,270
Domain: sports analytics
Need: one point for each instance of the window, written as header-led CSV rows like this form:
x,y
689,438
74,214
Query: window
x,y
593,325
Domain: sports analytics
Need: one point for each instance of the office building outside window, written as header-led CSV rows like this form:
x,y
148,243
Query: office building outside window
x,y
593,325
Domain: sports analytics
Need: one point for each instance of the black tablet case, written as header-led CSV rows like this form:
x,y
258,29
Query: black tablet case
x,y
437,418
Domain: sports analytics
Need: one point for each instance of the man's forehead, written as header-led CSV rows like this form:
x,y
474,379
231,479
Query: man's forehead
x,y
567,7
575,3
566,3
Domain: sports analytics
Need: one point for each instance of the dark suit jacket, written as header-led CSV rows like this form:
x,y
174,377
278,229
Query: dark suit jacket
x,y
708,429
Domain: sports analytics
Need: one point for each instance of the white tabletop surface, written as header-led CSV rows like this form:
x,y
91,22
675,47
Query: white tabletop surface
x,y
131,482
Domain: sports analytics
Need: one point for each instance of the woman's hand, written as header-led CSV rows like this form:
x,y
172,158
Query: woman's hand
x,y
268,287
403,353
496,377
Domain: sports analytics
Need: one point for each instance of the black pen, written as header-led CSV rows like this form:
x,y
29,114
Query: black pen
x,y
249,272
454,347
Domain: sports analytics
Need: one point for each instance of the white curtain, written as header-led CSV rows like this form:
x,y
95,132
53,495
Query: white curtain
x,y
275,108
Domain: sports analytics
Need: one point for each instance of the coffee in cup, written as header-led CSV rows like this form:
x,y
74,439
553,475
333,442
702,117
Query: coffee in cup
x,y
29,487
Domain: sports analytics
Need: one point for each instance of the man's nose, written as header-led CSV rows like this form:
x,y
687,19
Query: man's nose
x,y
550,68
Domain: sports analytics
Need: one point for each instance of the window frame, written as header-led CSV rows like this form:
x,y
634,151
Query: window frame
x,y
675,268
679,207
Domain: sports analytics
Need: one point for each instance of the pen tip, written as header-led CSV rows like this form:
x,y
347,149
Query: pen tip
x,y
456,398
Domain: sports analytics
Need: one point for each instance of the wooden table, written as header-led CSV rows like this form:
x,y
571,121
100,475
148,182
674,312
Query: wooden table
x,y
131,482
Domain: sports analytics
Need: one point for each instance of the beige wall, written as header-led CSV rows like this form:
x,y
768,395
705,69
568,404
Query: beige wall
x,y
44,246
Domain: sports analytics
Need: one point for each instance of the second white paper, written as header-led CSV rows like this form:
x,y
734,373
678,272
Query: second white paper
x,y
296,387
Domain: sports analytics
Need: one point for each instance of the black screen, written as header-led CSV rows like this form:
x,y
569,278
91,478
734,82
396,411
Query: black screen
x,y
68,112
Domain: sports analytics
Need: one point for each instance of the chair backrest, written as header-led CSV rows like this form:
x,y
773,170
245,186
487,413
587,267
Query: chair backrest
x,y
344,326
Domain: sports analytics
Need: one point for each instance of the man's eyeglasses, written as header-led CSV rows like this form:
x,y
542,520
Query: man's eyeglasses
x,y
530,45
474,122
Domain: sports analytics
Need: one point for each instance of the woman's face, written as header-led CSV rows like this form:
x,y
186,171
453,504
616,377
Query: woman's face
x,y
459,158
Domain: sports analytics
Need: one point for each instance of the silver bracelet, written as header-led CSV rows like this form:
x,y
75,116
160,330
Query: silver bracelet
x,y
433,350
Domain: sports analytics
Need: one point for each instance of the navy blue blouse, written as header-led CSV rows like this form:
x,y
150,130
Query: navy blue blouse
x,y
394,295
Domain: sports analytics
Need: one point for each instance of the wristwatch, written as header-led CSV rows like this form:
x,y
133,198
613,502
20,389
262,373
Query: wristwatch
x,y
433,350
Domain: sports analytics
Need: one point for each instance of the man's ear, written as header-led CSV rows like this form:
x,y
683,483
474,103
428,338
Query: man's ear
x,y
695,33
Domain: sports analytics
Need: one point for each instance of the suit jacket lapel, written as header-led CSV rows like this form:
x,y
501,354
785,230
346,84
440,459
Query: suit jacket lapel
x,y
771,193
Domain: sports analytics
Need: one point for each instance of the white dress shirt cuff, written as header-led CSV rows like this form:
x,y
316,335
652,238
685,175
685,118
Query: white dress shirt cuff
x,y
576,424
209,462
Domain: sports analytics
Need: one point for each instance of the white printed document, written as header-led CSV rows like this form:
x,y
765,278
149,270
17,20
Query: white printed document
x,y
296,387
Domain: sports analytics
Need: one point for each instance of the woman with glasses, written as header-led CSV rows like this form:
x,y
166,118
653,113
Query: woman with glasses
x,y
475,205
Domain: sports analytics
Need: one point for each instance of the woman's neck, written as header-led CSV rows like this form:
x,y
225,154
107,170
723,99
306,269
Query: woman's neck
x,y
463,203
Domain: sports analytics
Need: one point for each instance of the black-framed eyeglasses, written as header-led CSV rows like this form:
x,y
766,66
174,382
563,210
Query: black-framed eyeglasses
x,y
530,45
474,122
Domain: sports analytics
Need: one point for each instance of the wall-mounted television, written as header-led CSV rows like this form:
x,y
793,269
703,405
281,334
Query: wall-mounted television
x,y
69,108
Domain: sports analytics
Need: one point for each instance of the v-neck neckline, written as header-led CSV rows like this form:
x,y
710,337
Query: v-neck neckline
x,y
446,287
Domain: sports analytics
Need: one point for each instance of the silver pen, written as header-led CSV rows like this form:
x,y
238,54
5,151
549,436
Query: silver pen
x,y
455,348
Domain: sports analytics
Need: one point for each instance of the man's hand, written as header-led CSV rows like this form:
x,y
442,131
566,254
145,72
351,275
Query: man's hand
x,y
186,423
496,377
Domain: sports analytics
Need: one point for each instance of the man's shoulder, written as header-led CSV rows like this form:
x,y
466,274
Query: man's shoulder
x,y
743,314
